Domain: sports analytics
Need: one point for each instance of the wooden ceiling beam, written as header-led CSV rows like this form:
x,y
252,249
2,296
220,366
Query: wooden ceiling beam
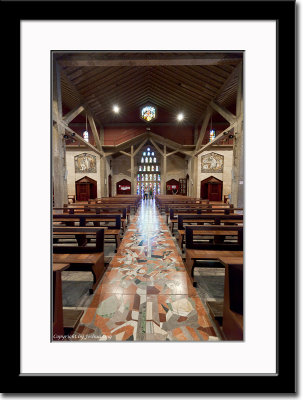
x,y
95,132
67,118
201,83
219,137
230,117
114,85
176,85
82,100
74,135
205,122
98,60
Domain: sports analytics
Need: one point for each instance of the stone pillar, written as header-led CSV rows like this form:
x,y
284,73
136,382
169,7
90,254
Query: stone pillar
x,y
193,176
103,176
237,184
132,170
163,172
58,144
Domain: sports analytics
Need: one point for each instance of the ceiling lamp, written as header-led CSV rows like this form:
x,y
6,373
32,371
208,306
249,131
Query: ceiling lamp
x,y
116,109
180,117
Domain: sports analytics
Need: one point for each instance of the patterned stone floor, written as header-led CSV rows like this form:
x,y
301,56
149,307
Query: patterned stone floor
x,y
145,294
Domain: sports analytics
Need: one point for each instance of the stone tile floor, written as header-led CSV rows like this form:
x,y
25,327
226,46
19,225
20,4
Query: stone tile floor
x,y
145,294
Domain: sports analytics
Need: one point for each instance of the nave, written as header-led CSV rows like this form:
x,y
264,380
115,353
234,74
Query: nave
x,y
145,293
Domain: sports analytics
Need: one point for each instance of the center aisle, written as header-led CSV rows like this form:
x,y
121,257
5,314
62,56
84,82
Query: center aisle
x,y
145,294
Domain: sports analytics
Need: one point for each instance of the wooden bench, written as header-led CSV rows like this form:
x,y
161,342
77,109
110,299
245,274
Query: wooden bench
x,y
196,250
82,257
95,219
62,319
201,219
228,315
173,213
97,209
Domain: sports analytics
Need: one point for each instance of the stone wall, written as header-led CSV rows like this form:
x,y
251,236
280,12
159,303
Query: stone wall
x,y
73,176
225,176
120,170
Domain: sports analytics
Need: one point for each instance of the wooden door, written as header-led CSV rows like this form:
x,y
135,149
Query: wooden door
x,y
215,191
83,191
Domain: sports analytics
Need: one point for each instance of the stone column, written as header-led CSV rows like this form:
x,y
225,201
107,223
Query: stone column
x,y
132,170
58,144
103,176
163,172
193,176
237,184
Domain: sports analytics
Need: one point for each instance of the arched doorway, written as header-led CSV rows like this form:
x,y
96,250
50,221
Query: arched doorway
x,y
124,187
171,186
86,188
109,186
211,189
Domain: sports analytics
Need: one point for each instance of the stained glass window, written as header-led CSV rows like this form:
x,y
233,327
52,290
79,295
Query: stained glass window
x,y
148,113
85,136
146,176
212,135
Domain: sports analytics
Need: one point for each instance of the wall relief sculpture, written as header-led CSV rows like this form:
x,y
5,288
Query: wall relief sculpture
x,y
212,162
85,163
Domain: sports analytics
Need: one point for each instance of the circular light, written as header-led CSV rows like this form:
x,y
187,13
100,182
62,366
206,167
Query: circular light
x,y
116,109
180,117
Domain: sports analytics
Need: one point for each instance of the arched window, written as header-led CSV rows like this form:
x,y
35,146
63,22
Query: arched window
x,y
146,176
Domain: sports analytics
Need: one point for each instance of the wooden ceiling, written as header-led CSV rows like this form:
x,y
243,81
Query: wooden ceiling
x,y
175,82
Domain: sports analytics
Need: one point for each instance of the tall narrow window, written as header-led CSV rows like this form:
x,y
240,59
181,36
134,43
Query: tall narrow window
x,y
85,136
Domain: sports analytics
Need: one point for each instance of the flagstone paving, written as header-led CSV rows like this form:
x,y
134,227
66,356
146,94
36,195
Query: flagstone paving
x,y
145,294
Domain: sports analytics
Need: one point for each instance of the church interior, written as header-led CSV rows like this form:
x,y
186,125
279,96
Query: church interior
x,y
148,196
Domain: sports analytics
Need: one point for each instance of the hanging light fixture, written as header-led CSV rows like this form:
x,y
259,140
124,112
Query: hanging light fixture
x,y
85,133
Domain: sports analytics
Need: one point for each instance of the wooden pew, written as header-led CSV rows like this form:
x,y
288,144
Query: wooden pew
x,y
62,319
82,257
96,219
201,219
228,315
199,209
96,209
197,250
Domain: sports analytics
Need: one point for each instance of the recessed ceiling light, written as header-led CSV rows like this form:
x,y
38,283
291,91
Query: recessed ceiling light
x,y
116,109
180,117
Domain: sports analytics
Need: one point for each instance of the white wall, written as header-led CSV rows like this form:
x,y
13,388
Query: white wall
x,y
120,170
72,176
225,176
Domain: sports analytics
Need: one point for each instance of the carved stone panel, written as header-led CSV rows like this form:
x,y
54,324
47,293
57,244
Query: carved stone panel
x,y
85,163
212,162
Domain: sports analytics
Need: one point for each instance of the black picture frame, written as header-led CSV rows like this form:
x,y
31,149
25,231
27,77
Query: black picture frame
x,y
284,381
